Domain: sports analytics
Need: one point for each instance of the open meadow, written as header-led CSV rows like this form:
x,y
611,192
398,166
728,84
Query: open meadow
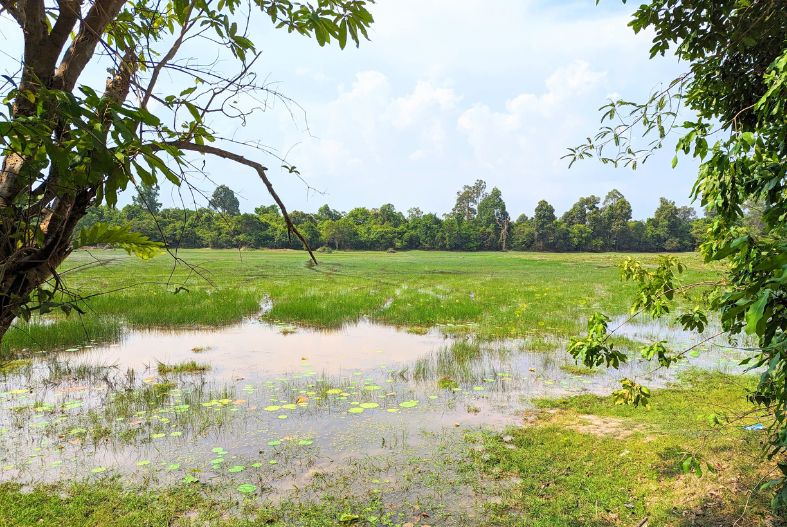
x,y
244,388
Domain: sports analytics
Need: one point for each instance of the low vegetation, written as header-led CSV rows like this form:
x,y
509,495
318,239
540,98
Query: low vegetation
x,y
576,461
491,295
586,461
182,368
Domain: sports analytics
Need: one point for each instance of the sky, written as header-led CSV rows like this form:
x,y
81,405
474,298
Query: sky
x,y
447,92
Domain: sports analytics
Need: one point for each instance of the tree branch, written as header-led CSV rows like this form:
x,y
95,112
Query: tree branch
x,y
13,10
66,20
186,26
261,172
84,44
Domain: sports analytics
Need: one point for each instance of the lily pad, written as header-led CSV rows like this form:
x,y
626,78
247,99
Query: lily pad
x,y
247,488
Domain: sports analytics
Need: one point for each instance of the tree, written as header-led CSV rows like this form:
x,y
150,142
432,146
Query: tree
x,y
467,200
225,201
327,213
616,213
580,212
736,87
493,219
543,226
523,234
147,198
69,146
584,223
670,229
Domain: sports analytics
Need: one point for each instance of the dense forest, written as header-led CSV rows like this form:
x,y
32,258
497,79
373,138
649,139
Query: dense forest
x,y
479,221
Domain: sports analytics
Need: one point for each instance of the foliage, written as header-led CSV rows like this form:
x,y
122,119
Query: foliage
x,y
225,201
584,227
736,87
148,198
493,295
69,146
117,236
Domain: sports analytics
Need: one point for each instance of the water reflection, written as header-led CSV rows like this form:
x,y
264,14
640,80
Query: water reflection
x,y
274,405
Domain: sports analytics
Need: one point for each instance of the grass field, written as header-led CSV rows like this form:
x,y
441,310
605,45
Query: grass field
x,y
491,295
574,461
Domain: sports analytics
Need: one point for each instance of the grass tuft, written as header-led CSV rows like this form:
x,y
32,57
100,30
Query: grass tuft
x,y
188,367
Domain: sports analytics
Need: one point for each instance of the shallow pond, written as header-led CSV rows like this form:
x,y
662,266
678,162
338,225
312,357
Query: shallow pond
x,y
267,406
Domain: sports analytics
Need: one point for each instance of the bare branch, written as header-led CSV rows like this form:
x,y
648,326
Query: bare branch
x,y
187,25
261,172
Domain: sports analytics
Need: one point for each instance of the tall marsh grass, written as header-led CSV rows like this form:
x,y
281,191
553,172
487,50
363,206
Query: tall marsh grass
x,y
487,295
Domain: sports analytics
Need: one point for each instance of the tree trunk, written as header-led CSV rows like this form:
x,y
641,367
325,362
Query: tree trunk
x,y
6,319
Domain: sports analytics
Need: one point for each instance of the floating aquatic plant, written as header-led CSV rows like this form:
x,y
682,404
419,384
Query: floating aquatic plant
x,y
247,488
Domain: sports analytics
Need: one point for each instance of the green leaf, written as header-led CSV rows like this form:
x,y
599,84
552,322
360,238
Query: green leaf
x,y
118,236
756,312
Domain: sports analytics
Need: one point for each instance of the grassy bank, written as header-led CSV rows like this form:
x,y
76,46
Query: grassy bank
x,y
579,461
492,295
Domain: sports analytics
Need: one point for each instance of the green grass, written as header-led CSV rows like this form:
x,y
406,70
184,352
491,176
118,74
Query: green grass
x,y
108,503
187,367
583,461
588,462
575,369
537,296
61,333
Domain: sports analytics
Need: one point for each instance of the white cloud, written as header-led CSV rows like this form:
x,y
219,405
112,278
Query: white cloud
x,y
447,92
532,124
418,104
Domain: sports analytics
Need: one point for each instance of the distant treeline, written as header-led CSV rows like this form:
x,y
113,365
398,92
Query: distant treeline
x,y
479,221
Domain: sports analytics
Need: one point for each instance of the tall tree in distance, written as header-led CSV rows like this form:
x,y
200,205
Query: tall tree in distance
x,y
615,215
467,200
224,200
493,220
147,197
543,226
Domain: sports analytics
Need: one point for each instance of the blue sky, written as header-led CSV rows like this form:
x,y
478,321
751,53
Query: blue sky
x,y
448,92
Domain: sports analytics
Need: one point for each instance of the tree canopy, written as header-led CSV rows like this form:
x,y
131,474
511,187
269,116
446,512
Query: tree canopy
x,y
586,226
224,200
69,145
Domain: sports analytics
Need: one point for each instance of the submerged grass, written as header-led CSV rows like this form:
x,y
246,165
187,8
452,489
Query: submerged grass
x,y
582,461
535,296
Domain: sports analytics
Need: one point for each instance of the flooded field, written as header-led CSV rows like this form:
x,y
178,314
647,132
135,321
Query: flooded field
x,y
263,409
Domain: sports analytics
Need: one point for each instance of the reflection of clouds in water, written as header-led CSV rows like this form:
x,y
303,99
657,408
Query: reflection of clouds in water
x,y
283,402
